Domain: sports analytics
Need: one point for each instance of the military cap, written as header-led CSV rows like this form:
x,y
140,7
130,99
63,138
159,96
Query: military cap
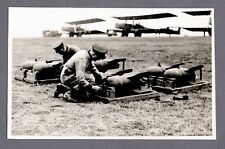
x,y
58,45
99,50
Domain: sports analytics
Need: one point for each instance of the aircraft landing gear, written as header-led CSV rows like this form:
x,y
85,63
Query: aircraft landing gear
x,y
124,34
71,35
137,34
79,35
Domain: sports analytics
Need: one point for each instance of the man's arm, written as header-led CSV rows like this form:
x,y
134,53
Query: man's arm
x,y
80,67
95,72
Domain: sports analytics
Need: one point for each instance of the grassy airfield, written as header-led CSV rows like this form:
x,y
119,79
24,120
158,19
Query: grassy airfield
x,y
36,113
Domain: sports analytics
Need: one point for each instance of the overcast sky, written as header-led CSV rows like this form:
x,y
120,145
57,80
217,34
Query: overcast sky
x,y
31,21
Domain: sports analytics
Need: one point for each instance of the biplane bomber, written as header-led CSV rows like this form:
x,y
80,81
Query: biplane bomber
x,y
75,29
200,29
137,29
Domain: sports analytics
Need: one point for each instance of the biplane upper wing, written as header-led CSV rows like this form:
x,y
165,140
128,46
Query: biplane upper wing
x,y
152,16
87,21
198,13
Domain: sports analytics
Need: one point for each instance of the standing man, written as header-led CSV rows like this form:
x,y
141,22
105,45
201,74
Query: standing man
x,y
79,73
65,51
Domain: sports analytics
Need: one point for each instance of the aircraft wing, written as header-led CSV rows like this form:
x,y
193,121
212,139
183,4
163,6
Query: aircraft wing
x,y
94,32
152,16
87,21
197,29
198,13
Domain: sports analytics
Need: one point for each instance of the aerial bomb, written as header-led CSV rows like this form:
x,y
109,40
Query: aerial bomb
x,y
118,81
43,66
159,70
126,80
107,64
156,70
29,64
47,70
182,73
176,73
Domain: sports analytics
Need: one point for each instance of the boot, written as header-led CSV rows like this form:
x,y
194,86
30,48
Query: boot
x,y
60,89
69,97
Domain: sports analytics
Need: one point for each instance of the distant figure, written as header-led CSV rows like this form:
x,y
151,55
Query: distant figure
x,y
65,51
80,75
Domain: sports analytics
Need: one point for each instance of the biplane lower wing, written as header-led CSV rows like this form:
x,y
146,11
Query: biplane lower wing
x,y
199,29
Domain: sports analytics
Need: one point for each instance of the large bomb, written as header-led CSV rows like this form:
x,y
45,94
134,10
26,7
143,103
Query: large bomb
x,y
43,66
156,70
107,64
47,70
178,73
128,80
159,70
29,64
182,74
118,81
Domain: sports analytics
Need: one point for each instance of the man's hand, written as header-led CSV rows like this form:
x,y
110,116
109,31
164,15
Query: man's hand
x,y
102,79
96,88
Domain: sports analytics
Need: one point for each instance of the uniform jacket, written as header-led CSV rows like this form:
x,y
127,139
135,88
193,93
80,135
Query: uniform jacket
x,y
69,52
81,66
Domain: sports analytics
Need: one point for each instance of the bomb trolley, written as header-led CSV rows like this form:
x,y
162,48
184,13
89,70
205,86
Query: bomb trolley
x,y
39,71
178,80
49,71
109,95
125,86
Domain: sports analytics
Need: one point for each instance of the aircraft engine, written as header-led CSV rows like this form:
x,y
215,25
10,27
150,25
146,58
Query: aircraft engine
x,y
68,29
124,26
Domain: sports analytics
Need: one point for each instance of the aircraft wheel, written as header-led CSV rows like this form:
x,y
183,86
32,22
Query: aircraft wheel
x,y
137,34
71,35
79,35
124,34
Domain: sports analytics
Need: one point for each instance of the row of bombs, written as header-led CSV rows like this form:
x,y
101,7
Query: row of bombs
x,y
51,65
50,69
127,78
175,72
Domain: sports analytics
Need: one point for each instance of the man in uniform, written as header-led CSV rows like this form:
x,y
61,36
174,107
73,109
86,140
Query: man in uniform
x,y
79,74
65,51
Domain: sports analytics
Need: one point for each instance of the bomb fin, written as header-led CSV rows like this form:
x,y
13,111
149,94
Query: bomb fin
x,y
175,66
192,69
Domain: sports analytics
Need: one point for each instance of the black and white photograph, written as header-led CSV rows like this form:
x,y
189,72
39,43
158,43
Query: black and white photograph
x,y
111,73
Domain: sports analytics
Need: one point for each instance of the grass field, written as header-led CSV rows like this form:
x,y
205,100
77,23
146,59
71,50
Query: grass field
x,y
36,113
